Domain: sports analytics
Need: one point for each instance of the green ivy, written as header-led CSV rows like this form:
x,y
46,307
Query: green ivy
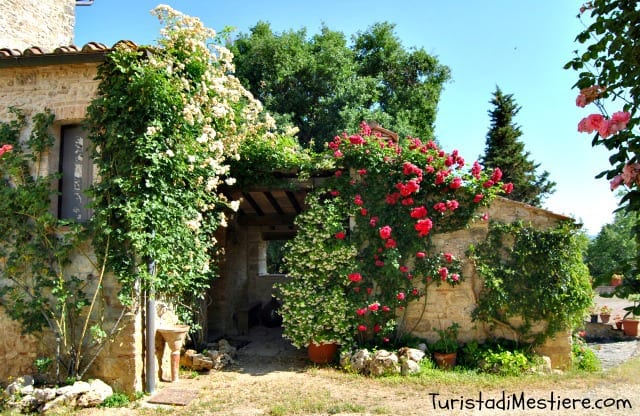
x,y
537,275
36,248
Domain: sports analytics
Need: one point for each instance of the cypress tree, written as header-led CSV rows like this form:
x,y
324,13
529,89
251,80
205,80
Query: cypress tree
x,y
504,150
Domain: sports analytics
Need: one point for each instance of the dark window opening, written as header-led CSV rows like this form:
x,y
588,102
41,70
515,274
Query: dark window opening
x,y
275,252
76,167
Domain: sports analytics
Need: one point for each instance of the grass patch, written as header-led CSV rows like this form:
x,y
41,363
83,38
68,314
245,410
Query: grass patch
x,y
314,402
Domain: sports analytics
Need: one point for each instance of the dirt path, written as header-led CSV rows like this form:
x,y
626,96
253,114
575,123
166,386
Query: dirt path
x,y
271,378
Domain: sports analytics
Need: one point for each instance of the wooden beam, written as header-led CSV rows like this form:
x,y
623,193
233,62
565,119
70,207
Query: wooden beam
x,y
260,220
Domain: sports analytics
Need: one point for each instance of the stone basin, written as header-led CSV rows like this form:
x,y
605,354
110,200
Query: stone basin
x,y
174,335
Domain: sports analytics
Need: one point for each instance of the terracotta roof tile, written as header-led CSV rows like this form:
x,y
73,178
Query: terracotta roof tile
x,y
68,49
35,56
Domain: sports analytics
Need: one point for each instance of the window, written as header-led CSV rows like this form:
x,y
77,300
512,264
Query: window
x,y
275,253
76,167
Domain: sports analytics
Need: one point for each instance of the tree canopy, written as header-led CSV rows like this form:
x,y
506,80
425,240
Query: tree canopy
x,y
609,76
613,249
504,150
324,86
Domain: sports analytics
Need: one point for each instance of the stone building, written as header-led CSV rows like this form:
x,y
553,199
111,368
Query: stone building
x,y
46,24
61,78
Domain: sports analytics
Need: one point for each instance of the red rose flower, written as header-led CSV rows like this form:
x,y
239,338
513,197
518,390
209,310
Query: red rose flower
x,y
440,207
385,232
355,277
340,235
444,272
419,212
423,227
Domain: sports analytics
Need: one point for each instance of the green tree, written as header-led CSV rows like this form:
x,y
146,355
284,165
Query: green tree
x,y
504,150
613,249
324,86
609,71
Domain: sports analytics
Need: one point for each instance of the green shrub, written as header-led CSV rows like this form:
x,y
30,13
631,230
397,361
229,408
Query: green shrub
x,y
500,357
506,363
583,357
116,400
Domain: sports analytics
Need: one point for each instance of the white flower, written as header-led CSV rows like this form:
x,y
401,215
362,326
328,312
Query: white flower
x,y
170,153
230,181
235,205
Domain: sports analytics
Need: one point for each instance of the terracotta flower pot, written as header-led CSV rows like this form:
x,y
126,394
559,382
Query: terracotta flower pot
x,y
323,353
630,327
605,317
445,360
619,324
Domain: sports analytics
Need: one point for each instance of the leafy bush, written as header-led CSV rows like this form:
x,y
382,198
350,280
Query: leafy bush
x,y
536,275
501,357
583,357
116,400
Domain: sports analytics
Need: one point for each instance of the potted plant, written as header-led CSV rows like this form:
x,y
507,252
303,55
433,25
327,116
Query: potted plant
x,y
605,314
618,321
445,350
616,280
632,317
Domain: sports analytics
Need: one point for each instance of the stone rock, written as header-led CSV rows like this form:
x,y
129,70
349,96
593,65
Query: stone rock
x,y
186,359
75,389
345,359
226,348
384,362
422,347
200,363
18,384
27,390
99,390
27,403
360,360
412,354
222,360
45,394
545,366
409,367
65,400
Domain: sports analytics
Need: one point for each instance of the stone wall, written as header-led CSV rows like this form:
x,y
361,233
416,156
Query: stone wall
x,y
43,23
67,91
446,305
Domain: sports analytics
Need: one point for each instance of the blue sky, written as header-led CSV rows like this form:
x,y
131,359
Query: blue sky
x,y
520,46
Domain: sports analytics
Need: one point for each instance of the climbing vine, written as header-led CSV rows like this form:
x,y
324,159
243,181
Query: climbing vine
x,y
536,275
36,248
164,124
366,238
